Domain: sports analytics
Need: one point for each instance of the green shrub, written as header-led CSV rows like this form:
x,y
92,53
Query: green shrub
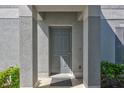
x,y
111,72
10,78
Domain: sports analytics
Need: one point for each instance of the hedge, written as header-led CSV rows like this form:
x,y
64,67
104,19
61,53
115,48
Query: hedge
x,y
112,75
10,78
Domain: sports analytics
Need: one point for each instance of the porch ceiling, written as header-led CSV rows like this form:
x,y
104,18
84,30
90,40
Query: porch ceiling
x,y
60,8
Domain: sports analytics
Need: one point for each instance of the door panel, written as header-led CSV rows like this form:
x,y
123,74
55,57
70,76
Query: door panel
x,y
61,50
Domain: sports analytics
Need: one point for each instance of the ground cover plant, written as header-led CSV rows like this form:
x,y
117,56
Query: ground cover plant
x,y
9,78
112,75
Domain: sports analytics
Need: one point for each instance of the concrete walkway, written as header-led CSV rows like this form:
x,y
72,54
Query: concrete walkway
x,y
60,81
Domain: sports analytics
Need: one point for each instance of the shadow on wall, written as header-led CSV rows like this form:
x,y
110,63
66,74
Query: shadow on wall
x,y
43,27
43,37
111,45
119,45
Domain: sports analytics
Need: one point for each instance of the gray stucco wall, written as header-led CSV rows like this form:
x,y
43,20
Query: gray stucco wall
x,y
91,46
66,19
43,49
9,36
112,16
28,46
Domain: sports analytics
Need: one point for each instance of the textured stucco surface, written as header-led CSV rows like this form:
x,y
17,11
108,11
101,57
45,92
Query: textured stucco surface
x,y
9,36
43,48
28,49
94,51
9,12
9,43
107,42
91,47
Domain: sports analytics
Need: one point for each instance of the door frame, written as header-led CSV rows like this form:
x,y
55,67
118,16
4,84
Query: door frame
x,y
50,73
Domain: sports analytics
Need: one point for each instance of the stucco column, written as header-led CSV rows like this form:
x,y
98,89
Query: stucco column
x,y
91,46
28,46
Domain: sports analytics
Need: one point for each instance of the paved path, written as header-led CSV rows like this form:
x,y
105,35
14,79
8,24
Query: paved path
x,y
60,81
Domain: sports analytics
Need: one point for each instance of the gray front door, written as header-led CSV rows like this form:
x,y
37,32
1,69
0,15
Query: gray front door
x,y
61,49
